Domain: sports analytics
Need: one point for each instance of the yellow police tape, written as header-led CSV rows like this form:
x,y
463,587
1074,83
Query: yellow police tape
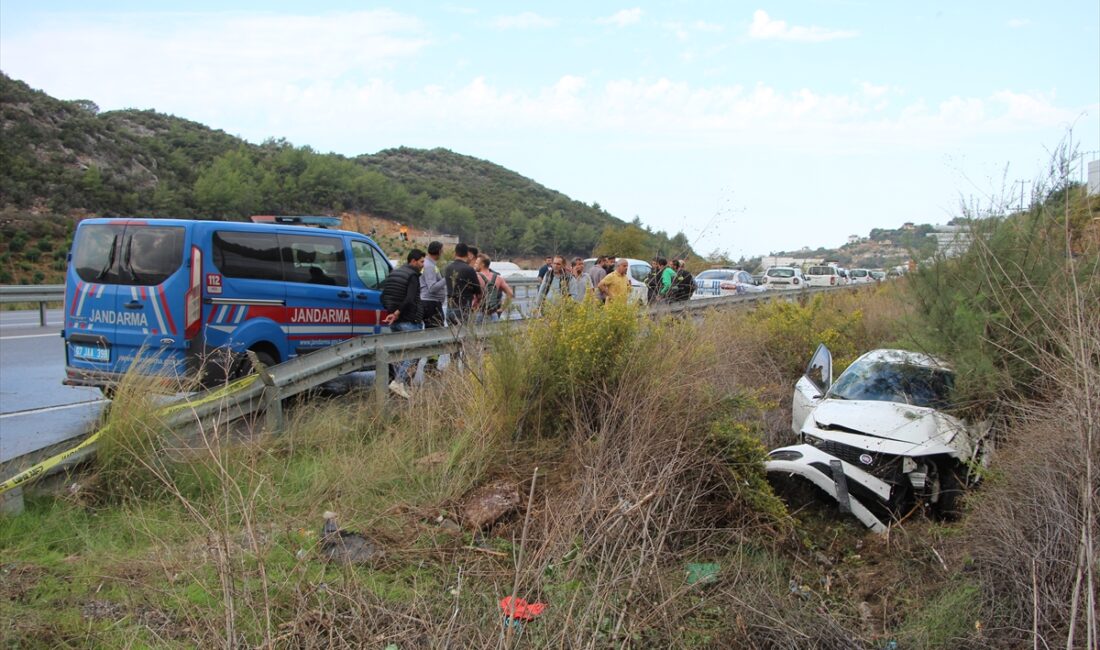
x,y
28,475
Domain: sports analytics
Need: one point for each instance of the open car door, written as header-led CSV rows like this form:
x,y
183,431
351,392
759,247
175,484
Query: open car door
x,y
811,387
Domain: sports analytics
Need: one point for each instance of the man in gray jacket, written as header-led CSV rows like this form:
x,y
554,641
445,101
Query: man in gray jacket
x,y
433,291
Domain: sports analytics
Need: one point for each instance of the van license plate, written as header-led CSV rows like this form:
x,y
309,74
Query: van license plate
x,y
91,353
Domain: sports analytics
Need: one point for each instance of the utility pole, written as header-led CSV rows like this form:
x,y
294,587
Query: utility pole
x,y
1022,184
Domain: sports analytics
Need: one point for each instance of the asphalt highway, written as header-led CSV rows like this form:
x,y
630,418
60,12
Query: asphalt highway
x,y
36,410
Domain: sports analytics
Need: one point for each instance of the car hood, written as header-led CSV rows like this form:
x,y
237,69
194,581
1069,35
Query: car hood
x,y
916,425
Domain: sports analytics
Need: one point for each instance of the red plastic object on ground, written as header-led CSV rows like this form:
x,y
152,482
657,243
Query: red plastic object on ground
x,y
520,609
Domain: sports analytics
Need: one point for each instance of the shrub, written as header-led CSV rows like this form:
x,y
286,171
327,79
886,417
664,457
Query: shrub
x,y
564,362
793,330
987,310
18,242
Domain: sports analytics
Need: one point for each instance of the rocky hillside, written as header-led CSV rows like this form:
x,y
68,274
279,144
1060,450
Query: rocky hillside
x,y
64,160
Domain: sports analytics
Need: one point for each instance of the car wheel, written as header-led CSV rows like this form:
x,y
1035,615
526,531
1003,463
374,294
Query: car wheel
x,y
952,486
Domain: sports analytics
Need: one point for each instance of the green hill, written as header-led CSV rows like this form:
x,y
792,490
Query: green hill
x,y
64,160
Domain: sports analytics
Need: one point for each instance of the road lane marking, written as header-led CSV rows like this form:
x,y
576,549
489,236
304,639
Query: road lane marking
x,y
48,409
30,336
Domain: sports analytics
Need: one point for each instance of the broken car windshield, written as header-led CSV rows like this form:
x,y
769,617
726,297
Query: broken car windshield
x,y
892,382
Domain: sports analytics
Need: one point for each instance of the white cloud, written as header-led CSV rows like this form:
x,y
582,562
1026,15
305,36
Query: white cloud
x,y
874,91
622,18
684,31
1017,23
525,20
765,28
704,26
209,52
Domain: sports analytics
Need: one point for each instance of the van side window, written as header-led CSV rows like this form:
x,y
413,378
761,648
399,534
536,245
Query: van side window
x,y
371,267
314,260
248,255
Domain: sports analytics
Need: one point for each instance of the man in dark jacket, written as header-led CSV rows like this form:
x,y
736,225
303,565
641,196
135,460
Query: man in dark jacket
x,y
401,298
462,286
683,283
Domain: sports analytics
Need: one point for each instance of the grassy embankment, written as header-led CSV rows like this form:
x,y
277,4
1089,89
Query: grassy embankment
x,y
647,438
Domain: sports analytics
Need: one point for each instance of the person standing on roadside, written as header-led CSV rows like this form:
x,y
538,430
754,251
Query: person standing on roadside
x,y
616,286
597,273
667,274
582,283
653,281
401,298
545,268
683,283
433,293
556,285
494,290
462,286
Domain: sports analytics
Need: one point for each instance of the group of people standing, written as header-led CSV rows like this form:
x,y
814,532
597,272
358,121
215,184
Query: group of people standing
x,y
669,282
608,279
415,294
418,295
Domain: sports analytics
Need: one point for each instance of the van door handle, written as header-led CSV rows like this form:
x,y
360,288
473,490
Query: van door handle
x,y
362,296
344,294
133,304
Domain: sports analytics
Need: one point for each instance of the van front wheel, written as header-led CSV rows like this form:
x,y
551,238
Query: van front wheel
x,y
244,366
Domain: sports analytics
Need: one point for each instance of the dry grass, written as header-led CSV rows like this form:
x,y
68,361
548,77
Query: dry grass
x,y
1032,533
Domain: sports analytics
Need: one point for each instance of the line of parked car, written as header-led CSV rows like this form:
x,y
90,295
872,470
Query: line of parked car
x,y
731,281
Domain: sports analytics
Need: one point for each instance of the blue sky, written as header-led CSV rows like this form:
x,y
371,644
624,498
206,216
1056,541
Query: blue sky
x,y
752,127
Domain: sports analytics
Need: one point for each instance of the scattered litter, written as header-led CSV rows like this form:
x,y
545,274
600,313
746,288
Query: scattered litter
x,y
800,590
891,645
488,504
701,573
345,546
518,608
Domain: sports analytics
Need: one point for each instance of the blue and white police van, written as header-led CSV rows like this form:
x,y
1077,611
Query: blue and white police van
x,y
189,298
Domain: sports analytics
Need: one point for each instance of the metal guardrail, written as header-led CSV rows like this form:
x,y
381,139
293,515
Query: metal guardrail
x,y
310,371
41,294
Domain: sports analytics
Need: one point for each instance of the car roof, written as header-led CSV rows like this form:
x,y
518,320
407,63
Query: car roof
x,y
905,357
630,260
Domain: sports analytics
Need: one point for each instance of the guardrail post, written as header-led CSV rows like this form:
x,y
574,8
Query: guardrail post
x,y
11,502
272,396
273,410
42,314
381,375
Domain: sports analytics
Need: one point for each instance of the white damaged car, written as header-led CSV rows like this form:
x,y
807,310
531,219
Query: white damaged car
x,y
878,439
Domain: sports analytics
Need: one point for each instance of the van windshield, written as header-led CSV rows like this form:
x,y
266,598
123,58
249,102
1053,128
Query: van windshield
x,y
131,255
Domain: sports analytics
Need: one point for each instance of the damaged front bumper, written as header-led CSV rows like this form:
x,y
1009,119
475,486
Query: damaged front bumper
x,y
842,481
